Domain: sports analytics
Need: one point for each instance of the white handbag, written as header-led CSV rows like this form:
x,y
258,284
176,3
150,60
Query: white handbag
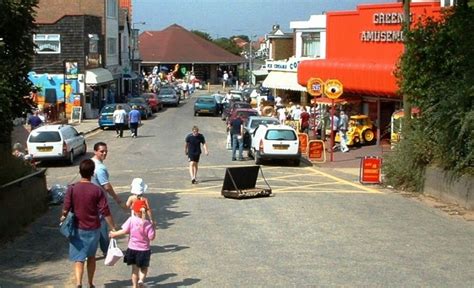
x,y
113,253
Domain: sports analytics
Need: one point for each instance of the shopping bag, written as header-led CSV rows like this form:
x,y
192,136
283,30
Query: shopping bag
x,y
67,226
113,253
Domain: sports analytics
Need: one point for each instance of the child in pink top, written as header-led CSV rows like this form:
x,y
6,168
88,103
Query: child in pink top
x,y
141,231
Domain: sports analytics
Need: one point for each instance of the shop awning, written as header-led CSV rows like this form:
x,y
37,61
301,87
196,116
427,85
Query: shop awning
x,y
260,72
363,78
130,76
283,80
98,76
341,100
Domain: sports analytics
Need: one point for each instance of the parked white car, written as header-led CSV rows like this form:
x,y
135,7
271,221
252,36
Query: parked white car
x,y
275,142
52,142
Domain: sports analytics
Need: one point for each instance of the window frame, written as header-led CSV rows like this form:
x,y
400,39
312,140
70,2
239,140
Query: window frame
x,y
46,38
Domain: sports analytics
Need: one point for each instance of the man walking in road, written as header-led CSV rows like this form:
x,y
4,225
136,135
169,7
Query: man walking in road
x,y
134,120
119,120
236,128
101,179
192,149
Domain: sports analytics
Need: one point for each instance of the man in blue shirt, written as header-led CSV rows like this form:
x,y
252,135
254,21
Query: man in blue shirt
x,y
101,179
134,119
236,127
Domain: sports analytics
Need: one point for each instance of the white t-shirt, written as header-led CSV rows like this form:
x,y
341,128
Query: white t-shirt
x,y
119,116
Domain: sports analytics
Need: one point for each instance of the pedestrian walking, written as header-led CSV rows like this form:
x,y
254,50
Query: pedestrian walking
x,y
343,126
236,127
87,202
134,120
139,187
101,179
138,254
34,120
192,149
119,117
304,120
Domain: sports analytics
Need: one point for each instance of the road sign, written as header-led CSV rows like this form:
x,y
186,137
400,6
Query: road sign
x,y
303,137
315,87
333,88
370,170
316,151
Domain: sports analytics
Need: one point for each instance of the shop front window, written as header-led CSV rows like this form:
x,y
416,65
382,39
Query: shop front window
x,y
311,45
47,43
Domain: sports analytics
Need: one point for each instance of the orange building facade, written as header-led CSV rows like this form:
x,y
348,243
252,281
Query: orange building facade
x,y
363,49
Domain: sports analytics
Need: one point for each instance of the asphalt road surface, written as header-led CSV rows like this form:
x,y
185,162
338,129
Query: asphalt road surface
x,y
316,230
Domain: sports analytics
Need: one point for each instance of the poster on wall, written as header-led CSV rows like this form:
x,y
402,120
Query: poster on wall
x,y
71,70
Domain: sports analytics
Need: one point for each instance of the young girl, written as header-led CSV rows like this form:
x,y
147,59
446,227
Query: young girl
x,y
141,232
138,188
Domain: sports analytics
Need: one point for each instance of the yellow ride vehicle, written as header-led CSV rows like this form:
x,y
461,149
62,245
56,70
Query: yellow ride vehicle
x,y
361,131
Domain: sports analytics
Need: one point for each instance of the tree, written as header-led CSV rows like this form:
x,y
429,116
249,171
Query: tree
x,y
228,45
437,72
16,52
202,35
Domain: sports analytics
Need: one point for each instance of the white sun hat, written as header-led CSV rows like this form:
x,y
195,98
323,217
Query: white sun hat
x,y
138,186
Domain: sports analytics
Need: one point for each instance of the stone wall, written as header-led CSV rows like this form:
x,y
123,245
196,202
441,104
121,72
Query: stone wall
x,y
21,202
439,185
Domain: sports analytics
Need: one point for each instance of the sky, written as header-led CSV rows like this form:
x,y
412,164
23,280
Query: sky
x,y
225,18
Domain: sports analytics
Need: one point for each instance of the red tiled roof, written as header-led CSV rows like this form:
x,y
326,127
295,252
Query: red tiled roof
x,y
178,45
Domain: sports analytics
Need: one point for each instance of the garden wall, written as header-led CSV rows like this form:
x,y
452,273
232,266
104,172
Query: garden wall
x,y
21,202
439,185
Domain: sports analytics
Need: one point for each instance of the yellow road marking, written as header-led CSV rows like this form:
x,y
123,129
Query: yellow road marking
x,y
359,186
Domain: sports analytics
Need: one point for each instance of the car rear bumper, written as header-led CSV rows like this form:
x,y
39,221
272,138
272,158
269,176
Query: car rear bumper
x,y
270,156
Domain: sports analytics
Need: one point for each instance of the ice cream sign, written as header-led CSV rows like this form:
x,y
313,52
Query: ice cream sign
x,y
290,65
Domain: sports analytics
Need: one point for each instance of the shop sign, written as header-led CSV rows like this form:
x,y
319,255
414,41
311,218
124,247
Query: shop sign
x,y
333,88
316,151
370,170
289,66
388,19
315,87
71,70
303,137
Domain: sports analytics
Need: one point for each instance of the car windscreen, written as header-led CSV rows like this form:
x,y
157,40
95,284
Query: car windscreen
x,y
205,100
288,135
44,136
137,100
167,93
255,123
108,109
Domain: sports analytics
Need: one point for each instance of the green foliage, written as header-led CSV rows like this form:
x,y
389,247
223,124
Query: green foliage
x,y
16,51
228,45
202,35
243,37
404,168
437,72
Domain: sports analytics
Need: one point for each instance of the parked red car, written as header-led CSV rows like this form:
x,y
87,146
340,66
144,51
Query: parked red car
x,y
153,101
244,113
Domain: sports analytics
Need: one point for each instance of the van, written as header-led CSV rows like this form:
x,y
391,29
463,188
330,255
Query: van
x,y
56,142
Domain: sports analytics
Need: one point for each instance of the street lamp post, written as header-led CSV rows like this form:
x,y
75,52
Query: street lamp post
x,y
250,58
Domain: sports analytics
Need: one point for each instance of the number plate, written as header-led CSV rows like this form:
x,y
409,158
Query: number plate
x,y
204,111
45,149
280,147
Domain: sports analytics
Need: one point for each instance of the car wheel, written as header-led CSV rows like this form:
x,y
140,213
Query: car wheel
x,y
70,159
102,127
257,158
196,113
84,150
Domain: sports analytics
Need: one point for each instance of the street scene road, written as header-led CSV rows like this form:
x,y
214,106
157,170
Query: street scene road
x,y
315,230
